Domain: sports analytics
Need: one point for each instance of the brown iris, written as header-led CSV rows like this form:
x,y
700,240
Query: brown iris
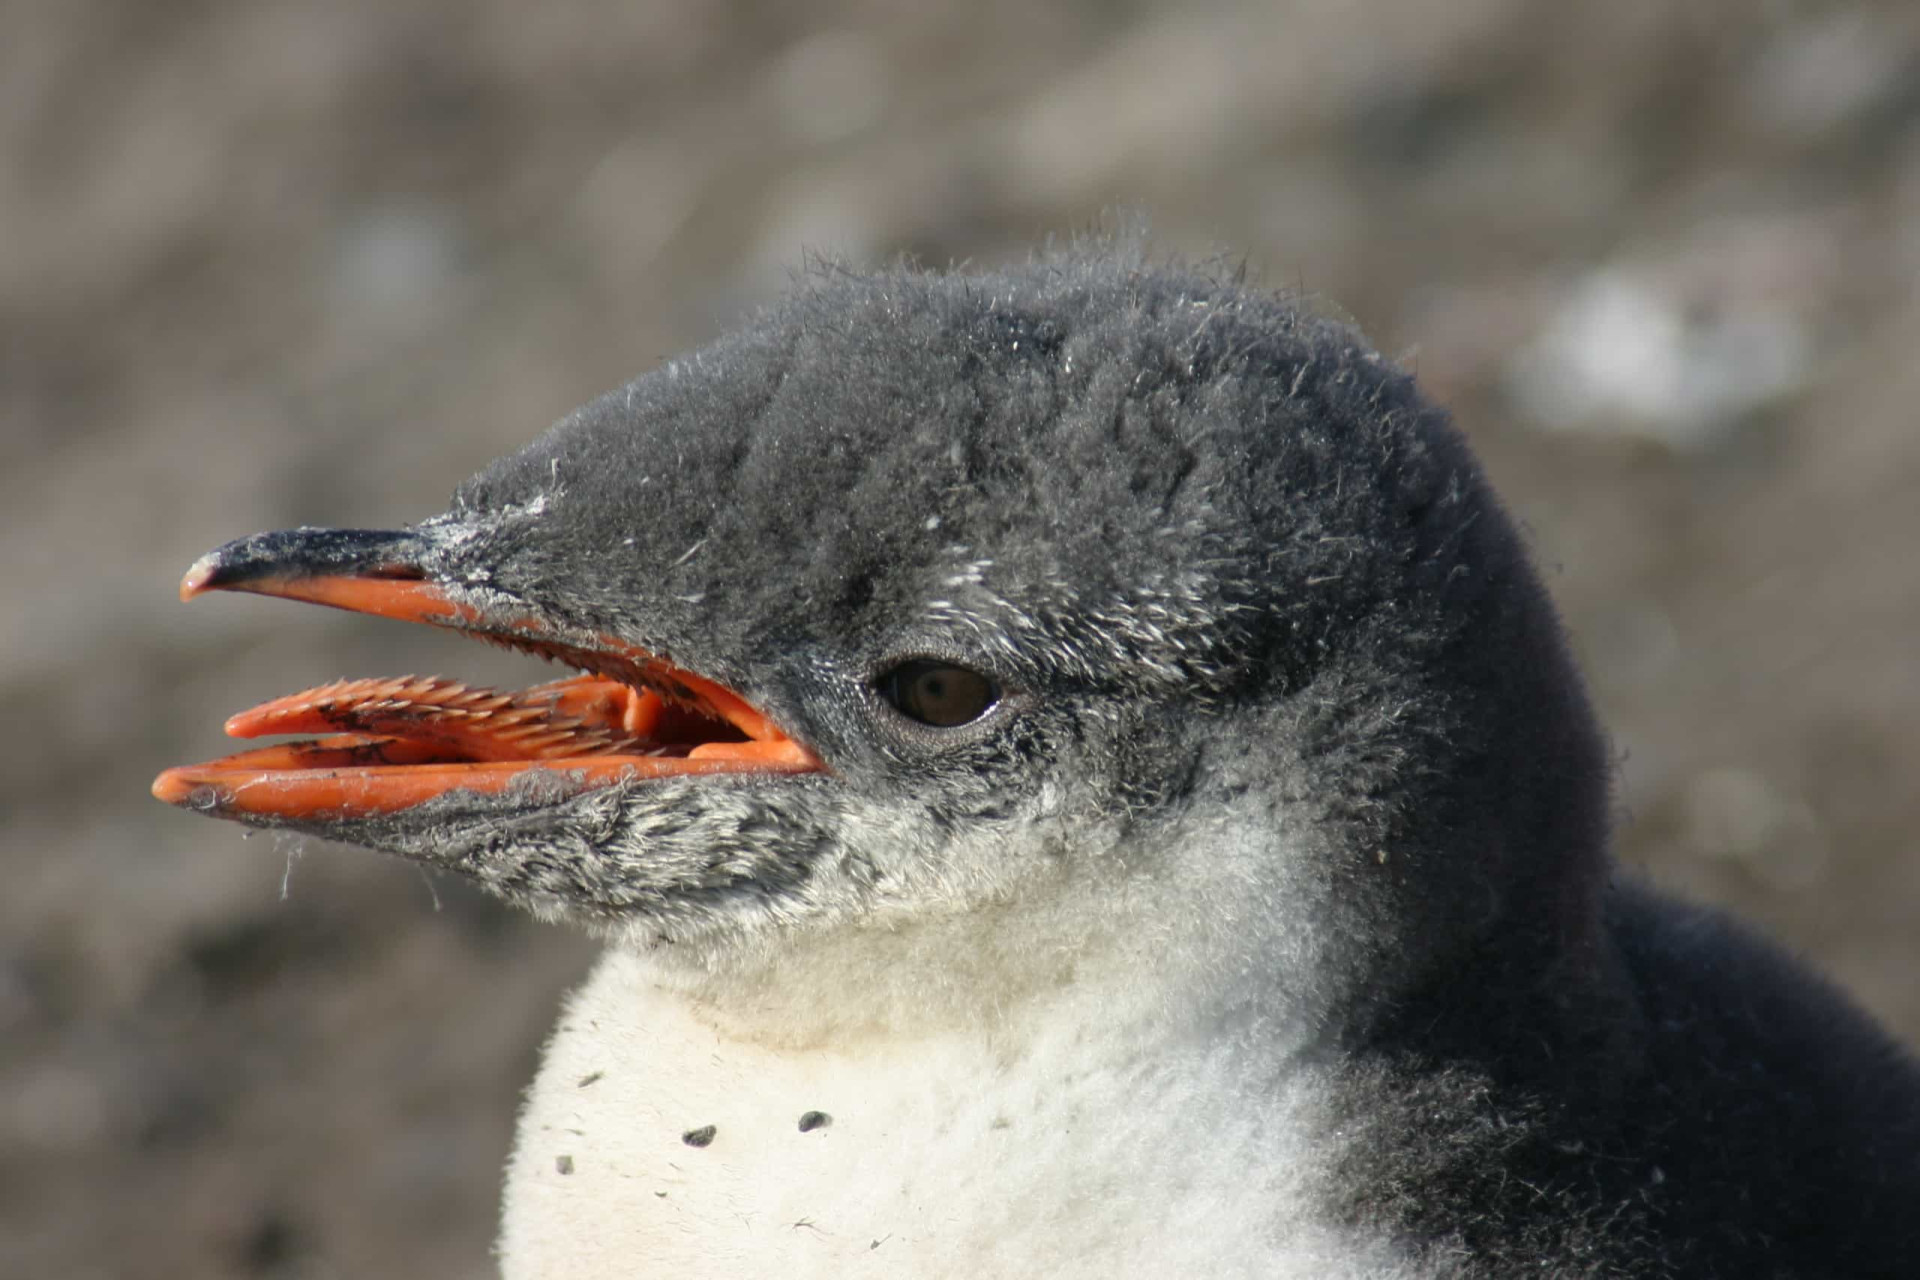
x,y
939,694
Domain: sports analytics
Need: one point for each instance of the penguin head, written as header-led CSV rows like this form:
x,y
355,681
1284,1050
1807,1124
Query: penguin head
x,y
1087,577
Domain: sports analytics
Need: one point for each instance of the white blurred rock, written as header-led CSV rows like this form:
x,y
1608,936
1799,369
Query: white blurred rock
x,y
1623,353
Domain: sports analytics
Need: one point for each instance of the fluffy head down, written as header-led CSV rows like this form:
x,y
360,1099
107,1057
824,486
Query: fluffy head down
x,y
1276,865
1261,630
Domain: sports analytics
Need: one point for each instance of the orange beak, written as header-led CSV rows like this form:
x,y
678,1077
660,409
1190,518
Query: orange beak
x,y
391,744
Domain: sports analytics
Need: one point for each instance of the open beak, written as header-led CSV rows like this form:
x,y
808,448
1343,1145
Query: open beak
x,y
390,744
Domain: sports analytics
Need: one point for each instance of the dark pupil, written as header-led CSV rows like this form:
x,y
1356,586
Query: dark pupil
x,y
938,694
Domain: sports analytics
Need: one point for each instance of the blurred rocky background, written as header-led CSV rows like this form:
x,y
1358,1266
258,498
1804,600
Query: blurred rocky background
x,y
265,262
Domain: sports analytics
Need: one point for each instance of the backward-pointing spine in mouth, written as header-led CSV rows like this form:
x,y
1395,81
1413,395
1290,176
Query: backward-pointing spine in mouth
x,y
392,743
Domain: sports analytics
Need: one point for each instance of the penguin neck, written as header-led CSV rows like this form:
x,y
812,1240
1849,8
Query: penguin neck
x,y
1449,784
1511,971
1135,947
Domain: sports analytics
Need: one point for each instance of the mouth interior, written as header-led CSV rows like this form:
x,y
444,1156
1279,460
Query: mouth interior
x,y
388,744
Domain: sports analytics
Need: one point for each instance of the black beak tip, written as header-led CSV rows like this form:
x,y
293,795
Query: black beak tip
x,y
303,553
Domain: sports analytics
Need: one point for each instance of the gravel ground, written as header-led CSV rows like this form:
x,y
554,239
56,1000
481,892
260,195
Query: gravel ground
x,y
269,263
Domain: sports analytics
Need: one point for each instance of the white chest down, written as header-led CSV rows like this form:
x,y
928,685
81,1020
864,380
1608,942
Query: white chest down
x,y
654,1143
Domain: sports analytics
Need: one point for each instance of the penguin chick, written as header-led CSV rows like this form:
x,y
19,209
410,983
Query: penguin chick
x,y
1078,778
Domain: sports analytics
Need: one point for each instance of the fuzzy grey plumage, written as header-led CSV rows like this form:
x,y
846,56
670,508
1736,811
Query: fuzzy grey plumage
x,y
1263,629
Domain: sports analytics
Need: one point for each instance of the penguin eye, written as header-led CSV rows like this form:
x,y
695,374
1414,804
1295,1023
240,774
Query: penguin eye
x,y
938,693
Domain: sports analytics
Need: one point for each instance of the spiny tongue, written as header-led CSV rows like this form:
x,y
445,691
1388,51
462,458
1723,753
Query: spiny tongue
x,y
579,716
